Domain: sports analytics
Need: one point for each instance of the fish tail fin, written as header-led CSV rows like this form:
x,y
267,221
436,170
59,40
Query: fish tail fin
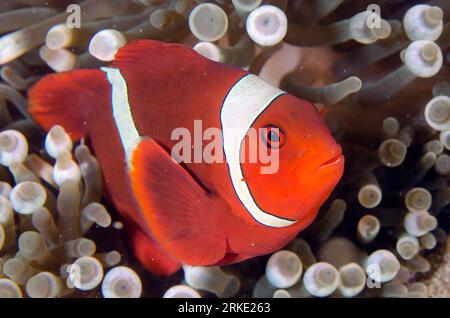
x,y
66,99
150,255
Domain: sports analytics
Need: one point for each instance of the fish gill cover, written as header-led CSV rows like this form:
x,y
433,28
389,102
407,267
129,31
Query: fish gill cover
x,y
378,71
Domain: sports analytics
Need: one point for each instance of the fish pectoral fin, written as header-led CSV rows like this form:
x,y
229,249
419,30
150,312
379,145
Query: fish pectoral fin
x,y
181,215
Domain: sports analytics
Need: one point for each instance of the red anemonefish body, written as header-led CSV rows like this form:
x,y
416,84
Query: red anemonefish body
x,y
194,213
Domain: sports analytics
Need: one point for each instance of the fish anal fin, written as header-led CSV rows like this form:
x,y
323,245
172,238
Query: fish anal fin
x,y
182,217
150,255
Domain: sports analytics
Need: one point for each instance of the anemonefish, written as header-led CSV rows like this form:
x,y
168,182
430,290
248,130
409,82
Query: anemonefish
x,y
186,212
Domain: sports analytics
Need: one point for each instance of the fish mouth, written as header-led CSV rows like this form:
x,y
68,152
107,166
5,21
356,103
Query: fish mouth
x,y
323,172
333,161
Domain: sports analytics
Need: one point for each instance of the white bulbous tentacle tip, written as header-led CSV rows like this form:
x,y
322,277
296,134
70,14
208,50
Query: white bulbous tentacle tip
x,y
209,50
105,44
369,196
267,25
85,247
423,58
27,196
66,169
86,273
97,213
423,22
368,228
390,126
392,152
321,279
9,289
31,244
362,29
13,147
384,31
281,293
212,279
418,199
13,45
208,22
113,258
59,36
428,160
102,217
59,60
352,280
431,223
57,141
284,268
433,16
407,246
117,225
181,291
437,113
435,146
419,223
442,165
43,285
353,84
429,52
382,266
121,282
441,88
246,5
428,241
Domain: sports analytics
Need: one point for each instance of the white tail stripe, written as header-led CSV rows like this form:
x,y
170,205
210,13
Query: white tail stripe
x,y
129,136
246,100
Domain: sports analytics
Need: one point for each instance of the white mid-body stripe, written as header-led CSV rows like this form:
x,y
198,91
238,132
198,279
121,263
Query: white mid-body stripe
x,y
246,100
129,136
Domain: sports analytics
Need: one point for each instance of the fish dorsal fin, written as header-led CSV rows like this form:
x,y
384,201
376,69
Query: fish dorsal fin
x,y
182,217
140,53
67,99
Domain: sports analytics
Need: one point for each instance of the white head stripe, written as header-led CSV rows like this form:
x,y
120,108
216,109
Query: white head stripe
x,y
246,100
121,110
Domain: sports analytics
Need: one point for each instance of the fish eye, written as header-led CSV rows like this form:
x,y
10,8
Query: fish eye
x,y
273,136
